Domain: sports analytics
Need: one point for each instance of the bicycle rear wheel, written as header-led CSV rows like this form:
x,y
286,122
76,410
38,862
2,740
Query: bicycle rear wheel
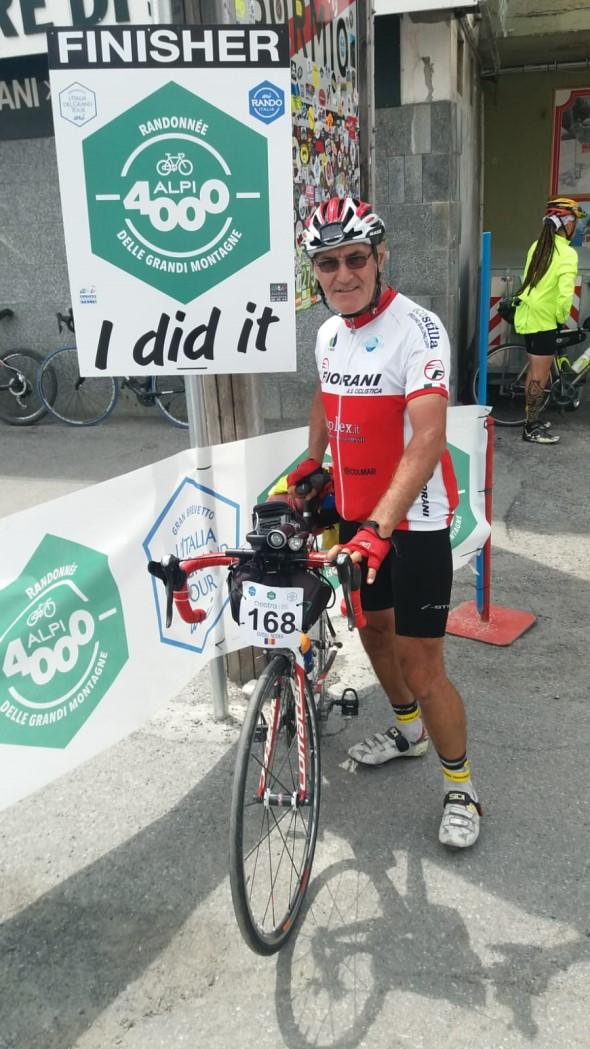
x,y
20,403
171,398
78,401
507,367
273,834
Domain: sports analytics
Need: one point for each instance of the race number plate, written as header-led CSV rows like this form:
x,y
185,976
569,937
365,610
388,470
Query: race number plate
x,y
271,615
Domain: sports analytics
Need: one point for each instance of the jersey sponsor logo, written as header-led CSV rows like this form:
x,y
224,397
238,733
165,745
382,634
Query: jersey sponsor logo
x,y
360,471
434,370
333,341
425,501
374,343
349,381
335,426
429,329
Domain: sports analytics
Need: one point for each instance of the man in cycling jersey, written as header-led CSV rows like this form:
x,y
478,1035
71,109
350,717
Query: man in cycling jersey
x,y
383,364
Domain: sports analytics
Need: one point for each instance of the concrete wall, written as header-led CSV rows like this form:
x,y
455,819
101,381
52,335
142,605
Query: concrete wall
x,y
33,273
427,181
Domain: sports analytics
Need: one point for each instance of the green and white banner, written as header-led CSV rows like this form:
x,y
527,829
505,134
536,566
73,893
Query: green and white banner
x,y
174,159
85,656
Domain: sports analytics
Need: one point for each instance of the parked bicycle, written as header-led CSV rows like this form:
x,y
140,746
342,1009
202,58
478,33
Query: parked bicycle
x,y
20,403
278,592
507,368
86,401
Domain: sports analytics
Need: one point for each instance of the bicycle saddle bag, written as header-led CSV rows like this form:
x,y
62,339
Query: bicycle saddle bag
x,y
317,592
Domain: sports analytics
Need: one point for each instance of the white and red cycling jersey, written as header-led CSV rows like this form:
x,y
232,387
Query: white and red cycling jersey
x,y
370,367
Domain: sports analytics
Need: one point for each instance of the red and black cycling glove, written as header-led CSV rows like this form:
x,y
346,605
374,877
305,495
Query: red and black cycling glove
x,y
305,469
369,543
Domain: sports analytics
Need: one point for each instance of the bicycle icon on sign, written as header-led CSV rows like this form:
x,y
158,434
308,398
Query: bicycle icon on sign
x,y
174,162
43,611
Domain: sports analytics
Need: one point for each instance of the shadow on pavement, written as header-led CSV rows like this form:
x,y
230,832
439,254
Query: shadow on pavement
x,y
381,916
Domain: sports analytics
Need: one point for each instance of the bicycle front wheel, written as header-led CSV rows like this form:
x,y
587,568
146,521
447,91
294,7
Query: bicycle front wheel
x,y
78,401
20,403
507,368
171,398
272,832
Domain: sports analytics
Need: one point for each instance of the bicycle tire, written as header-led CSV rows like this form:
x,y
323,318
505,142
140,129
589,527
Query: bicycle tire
x,y
267,909
507,366
23,408
170,396
78,401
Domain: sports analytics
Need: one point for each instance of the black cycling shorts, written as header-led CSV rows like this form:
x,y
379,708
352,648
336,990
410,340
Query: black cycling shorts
x,y
415,579
541,343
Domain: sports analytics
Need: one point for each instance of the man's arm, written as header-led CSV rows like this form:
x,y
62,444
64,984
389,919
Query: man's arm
x,y
317,443
318,431
428,417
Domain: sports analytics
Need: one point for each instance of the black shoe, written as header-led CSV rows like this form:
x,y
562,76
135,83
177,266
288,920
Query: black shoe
x,y
539,434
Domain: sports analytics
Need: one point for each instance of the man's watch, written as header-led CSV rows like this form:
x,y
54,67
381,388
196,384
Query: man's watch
x,y
375,526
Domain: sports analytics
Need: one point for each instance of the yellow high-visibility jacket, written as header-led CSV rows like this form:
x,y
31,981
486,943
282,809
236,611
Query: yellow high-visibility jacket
x,y
548,304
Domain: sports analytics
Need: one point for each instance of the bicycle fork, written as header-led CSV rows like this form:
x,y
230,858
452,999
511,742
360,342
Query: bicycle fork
x,y
300,796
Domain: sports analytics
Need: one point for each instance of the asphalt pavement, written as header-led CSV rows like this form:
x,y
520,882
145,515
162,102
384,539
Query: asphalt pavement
x,y
117,927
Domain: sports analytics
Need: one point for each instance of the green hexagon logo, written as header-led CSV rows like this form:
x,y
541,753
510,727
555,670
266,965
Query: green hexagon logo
x,y
177,193
62,643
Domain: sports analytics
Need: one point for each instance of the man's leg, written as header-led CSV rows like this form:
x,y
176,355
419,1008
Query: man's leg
x,y
534,394
422,665
405,737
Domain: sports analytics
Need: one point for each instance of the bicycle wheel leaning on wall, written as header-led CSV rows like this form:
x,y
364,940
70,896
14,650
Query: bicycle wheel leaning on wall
x,y
507,368
20,401
170,396
78,400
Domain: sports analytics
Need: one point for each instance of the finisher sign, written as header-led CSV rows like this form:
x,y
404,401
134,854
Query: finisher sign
x,y
174,155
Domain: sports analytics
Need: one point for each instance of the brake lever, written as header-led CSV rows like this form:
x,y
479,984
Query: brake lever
x,y
349,576
173,578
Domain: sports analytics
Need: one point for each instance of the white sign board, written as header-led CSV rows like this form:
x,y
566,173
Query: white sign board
x,y
406,7
174,158
25,23
85,655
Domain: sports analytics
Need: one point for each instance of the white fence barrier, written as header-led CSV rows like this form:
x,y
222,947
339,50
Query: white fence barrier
x,y
85,657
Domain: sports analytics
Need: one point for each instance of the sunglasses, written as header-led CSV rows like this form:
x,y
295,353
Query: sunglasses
x,y
352,262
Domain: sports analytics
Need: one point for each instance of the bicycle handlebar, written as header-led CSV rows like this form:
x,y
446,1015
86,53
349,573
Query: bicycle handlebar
x,y
174,574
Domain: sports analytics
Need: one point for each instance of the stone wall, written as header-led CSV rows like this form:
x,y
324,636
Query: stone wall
x,y
418,149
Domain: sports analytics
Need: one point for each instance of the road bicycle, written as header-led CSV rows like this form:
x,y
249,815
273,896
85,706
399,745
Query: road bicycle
x,y
86,401
279,593
507,368
20,403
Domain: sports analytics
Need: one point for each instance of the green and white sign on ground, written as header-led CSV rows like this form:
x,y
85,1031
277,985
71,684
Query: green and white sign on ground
x,y
174,156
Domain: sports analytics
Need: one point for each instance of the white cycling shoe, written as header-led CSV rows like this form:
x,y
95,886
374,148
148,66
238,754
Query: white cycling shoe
x,y
459,828
385,746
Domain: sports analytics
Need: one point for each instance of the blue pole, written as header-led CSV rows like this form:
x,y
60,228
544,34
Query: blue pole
x,y
485,284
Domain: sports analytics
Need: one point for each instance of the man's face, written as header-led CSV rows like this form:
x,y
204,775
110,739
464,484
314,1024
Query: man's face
x,y
349,289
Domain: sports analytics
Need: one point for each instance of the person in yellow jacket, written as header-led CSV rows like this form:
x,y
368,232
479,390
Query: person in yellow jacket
x,y
545,300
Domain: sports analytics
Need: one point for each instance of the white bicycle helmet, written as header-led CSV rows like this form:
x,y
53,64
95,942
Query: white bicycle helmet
x,y
337,221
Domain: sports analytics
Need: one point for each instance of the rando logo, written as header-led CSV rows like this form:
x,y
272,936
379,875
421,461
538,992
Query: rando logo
x,y
434,370
266,102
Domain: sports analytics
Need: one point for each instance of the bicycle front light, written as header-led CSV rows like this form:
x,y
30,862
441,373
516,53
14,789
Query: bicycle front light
x,y
295,543
276,538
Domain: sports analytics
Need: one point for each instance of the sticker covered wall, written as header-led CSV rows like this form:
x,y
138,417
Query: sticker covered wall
x,y
323,45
